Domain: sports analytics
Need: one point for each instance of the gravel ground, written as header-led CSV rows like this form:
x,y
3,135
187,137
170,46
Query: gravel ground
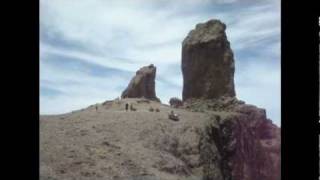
x,y
110,143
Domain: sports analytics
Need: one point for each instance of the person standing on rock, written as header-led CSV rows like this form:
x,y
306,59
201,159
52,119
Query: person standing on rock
x,y
127,106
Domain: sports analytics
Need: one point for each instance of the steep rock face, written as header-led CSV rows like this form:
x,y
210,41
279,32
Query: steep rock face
x,y
207,62
243,146
142,84
257,141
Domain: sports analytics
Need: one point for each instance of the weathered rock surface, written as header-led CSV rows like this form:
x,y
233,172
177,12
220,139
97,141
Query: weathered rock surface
x,y
175,102
238,144
207,62
142,84
245,145
220,104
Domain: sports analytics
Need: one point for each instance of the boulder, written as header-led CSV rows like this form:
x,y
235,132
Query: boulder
x,y
175,102
207,62
142,85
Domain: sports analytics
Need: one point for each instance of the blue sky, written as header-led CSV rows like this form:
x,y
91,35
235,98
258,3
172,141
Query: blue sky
x,y
90,49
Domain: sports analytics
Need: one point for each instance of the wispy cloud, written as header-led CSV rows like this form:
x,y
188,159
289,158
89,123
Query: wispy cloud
x,y
90,49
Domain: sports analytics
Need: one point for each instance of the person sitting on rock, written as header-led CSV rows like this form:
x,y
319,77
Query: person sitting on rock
x,y
173,116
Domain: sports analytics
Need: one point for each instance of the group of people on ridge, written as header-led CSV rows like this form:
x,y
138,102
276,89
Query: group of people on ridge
x,y
131,107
